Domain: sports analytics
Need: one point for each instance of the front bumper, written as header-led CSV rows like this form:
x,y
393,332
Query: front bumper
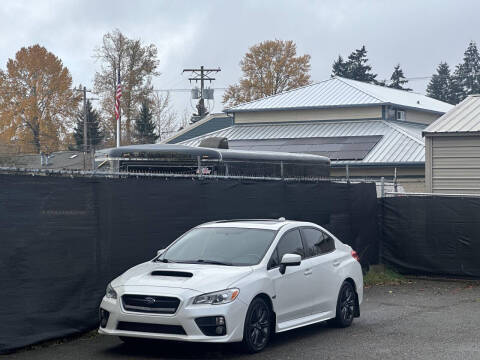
x,y
234,314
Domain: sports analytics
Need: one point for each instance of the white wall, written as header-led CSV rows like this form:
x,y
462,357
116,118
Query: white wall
x,y
420,116
370,112
453,164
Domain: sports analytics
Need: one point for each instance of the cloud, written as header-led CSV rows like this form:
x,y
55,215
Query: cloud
x,y
417,34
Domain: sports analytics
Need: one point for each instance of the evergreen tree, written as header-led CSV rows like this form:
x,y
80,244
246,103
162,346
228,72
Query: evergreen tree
x,y
456,90
339,67
440,86
355,68
144,126
467,73
397,80
95,134
358,67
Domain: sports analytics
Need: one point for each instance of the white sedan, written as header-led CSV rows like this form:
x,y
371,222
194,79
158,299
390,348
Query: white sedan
x,y
236,281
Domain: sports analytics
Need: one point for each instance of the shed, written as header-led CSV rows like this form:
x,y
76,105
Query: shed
x,y
452,150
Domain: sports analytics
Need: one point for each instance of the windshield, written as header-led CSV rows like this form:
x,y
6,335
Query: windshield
x,y
222,246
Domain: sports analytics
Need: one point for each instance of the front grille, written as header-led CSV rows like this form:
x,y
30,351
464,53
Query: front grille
x,y
150,304
151,328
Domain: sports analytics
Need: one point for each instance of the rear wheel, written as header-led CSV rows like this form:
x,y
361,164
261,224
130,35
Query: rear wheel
x,y
345,305
257,329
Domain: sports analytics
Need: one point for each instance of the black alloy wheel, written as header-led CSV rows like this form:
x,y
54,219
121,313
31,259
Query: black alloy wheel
x,y
257,327
345,305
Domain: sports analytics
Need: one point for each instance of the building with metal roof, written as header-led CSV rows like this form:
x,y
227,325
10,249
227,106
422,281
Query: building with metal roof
x,y
384,136
371,148
341,92
453,150
373,130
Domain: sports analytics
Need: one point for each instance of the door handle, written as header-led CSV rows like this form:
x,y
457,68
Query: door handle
x,y
308,272
336,263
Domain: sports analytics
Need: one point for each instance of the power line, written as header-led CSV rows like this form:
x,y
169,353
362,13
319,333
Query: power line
x,y
184,90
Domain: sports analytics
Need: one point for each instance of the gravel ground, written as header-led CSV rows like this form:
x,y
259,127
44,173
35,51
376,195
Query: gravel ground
x,y
423,319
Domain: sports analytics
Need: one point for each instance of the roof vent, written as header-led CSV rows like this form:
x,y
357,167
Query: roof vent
x,y
172,273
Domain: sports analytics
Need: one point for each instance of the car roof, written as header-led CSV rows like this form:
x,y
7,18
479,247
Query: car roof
x,y
268,224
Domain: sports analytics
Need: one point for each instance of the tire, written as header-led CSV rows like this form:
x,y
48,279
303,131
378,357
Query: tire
x,y
346,303
258,326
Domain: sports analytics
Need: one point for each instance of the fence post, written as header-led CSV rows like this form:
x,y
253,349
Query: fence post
x,y
382,230
92,155
382,187
348,174
395,181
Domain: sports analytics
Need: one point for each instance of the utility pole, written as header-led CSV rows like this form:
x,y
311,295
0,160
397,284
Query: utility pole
x,y
85,143
85,129
85,123
201,75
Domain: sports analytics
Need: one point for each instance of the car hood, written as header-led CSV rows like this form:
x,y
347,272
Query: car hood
x,y
199,277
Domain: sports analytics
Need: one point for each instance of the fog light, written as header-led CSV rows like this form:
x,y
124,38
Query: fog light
x,y
212,325
220,330
104,315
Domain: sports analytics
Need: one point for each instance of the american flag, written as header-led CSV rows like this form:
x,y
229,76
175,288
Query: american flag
x,y
118,95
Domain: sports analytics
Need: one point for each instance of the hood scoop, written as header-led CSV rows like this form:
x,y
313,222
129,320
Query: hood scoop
x,y
172,273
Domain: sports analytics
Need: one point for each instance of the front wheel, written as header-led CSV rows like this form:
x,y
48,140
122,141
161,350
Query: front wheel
x,y
346,303
256,332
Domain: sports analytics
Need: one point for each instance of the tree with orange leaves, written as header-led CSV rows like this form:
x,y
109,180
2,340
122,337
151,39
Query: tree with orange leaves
x,y
269,68
37,102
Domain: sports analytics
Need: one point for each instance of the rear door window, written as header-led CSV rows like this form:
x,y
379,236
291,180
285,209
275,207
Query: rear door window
x,y
317,242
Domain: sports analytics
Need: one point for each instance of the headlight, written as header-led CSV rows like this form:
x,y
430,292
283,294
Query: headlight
x,y
218,297
110,293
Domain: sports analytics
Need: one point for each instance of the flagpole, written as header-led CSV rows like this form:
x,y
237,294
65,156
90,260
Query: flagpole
x,y
118,130
118,109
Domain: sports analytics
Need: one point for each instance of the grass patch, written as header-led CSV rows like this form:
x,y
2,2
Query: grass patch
x,y
380,275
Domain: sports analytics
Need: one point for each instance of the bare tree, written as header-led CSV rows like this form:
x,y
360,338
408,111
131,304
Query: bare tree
x,y
184,119
137,64
164,116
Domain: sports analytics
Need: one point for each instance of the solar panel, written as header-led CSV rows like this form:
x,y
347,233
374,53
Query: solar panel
x,y
336,148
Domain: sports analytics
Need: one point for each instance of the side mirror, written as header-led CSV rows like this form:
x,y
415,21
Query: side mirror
x,y
289,260
160,252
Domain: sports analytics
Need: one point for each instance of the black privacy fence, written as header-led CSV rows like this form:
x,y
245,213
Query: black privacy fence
x,y
436,235
63,239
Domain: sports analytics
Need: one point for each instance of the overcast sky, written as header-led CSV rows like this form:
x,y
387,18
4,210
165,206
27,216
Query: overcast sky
x,y
416,34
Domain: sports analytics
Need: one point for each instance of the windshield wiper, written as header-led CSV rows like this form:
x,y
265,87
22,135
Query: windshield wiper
x,y
213,262
199,261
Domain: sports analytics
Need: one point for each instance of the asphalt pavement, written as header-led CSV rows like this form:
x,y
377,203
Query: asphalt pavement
x,y
420,320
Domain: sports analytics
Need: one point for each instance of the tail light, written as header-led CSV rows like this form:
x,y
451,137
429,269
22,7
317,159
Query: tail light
x,y
355,255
